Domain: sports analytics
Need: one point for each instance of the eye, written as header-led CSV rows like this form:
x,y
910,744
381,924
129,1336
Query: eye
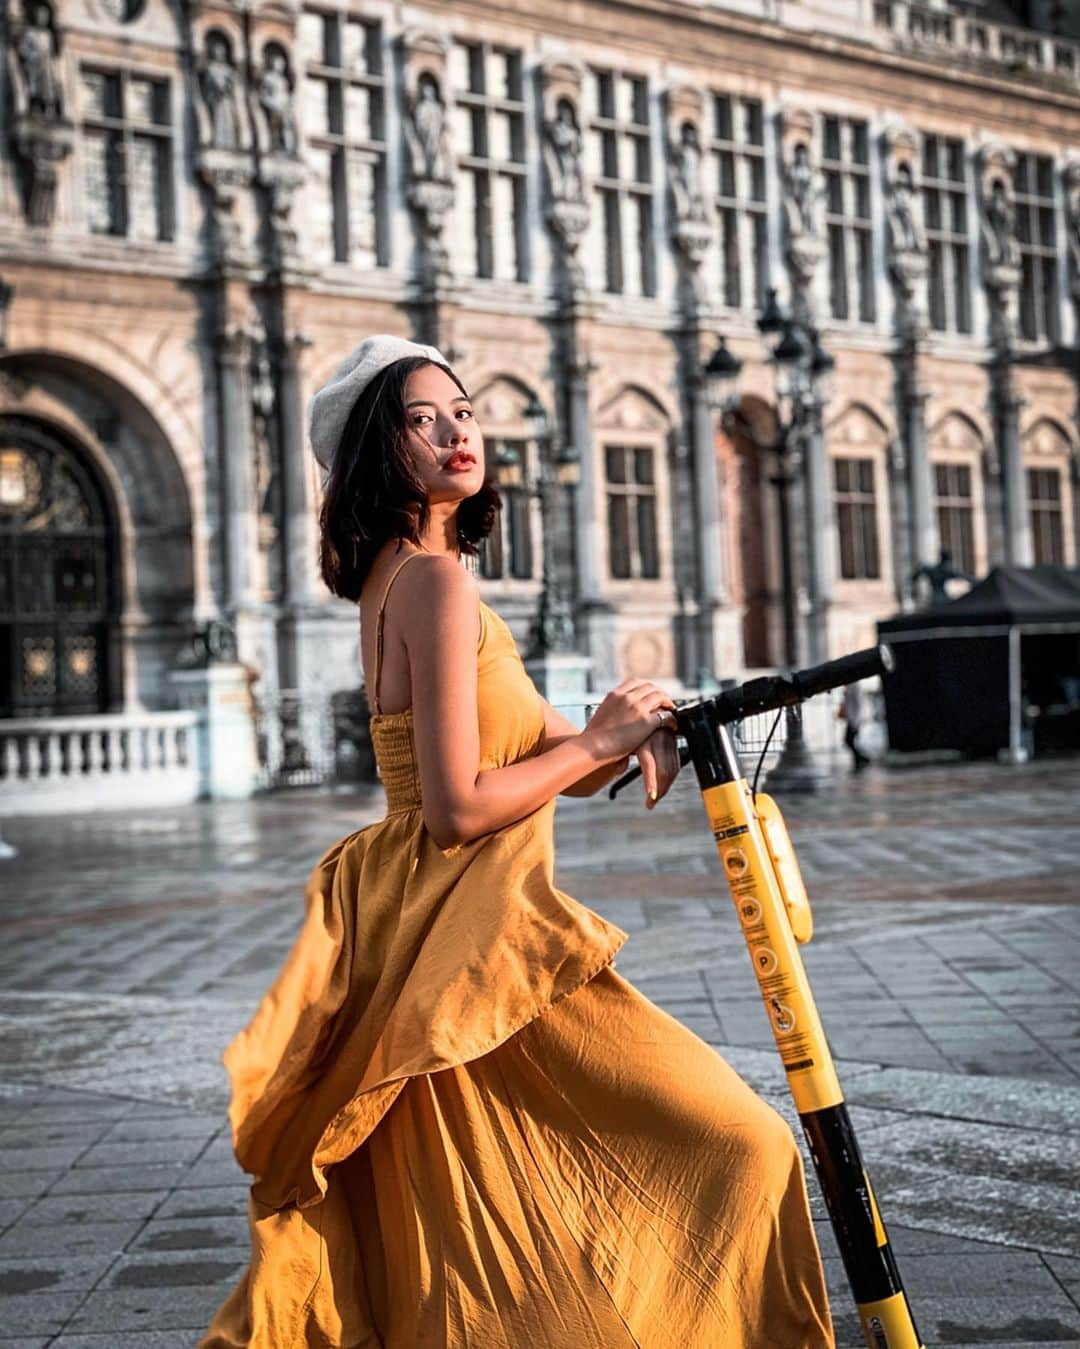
x,y
420,418
465,412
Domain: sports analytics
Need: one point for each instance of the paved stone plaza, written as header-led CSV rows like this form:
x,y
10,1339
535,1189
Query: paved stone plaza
x,y
946,964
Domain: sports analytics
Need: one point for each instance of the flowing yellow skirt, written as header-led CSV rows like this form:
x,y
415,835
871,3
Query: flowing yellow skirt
x,y
600,1179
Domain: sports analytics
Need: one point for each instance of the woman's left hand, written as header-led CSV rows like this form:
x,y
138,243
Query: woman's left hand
x,y
659,760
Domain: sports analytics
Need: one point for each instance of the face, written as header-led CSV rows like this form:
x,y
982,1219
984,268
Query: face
x,y
442,432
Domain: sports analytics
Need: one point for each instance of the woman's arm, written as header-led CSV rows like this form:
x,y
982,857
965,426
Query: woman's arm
x,y
558,729
440,603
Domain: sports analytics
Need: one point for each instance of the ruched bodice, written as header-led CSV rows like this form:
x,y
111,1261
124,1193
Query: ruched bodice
x,y
510,717
412,957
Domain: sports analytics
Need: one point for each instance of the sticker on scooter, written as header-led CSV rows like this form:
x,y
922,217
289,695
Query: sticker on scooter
x,y
783,1018
749,911
765,961
737,863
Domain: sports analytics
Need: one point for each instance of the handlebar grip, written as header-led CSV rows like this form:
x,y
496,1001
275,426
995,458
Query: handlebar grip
x,y
875,660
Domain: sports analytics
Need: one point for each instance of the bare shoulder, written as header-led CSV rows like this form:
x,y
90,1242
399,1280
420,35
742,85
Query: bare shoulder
x,y
437,592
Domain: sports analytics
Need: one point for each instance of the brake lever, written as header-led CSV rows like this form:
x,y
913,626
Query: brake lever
x,y
633,773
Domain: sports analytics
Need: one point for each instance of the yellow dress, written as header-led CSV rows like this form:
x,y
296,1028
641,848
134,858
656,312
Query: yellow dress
x,y
467,1131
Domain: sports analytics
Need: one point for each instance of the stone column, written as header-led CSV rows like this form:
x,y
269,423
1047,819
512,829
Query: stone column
x,y
593,614
704,491
238,513
693,232
1001,272
816,549
1006,407
298,535
924,540
578,423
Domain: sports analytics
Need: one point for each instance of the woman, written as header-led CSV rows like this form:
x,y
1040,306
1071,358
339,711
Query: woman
x,y
466,1130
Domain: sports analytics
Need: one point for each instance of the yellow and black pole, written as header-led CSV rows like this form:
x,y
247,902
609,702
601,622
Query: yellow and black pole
x,y
774,914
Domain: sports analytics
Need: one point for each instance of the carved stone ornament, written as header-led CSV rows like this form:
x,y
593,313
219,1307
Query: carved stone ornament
x,y
804,192
568,188
224,155
282,169
1000,252
431,190
223,124
274,86
804,188
281,179
908,257
41,135
691,218
563,154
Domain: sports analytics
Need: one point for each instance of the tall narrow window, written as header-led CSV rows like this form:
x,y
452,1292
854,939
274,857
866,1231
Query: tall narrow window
x,y
738,150
127,154
507,551
1046,517
846,165
856,519
1035,228
955,513
489,107
343,111
620,152
631,510
945,206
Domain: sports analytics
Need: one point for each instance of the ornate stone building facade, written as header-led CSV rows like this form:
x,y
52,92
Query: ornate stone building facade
x,y
204,206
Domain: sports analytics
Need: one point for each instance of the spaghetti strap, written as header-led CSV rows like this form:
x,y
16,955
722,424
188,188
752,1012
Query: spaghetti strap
x,y
379,630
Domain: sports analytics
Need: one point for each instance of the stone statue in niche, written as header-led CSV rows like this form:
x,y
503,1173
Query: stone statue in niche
x,y
38,51
41,136
275,94
429,135
803,192
562,145
999,227
685,174
904,229
221,93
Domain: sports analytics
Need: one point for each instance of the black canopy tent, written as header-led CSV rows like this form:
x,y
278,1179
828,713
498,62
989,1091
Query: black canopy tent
x,y
995,671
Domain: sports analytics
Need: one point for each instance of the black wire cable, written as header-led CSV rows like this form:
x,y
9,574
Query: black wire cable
x,y
765,750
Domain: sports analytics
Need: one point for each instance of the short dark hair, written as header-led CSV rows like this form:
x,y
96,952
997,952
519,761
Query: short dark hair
x,y
373,492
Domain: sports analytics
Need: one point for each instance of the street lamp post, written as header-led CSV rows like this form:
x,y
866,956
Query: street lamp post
x,y
802,366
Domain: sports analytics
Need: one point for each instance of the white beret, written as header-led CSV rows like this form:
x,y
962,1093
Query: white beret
x,y
330,407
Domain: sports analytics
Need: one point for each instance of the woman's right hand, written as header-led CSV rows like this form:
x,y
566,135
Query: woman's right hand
x,y
627,717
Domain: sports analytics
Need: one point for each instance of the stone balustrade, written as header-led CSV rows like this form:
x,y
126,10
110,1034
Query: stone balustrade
x,y
929,26
50,765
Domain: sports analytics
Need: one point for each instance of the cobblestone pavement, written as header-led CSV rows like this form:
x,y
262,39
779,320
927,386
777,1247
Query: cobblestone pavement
x,y
946,963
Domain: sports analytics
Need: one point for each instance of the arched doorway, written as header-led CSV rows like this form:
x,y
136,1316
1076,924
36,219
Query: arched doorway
x,y
57,592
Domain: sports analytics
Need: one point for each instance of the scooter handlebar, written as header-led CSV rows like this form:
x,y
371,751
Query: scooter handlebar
x,y
875,660
773,692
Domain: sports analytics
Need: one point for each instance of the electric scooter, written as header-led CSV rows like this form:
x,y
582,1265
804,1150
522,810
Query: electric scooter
x,y
774,912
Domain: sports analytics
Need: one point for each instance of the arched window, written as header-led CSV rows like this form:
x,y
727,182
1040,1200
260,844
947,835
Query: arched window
x,y
1047,452
513,550
55,578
